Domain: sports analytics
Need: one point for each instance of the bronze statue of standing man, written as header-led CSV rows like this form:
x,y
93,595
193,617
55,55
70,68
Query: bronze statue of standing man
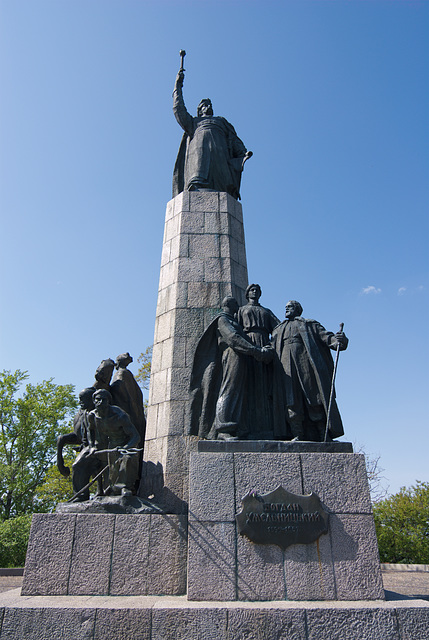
x,y
304,350
211,155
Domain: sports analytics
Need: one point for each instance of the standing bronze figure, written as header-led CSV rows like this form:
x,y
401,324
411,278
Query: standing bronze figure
x,y
211,155
303,347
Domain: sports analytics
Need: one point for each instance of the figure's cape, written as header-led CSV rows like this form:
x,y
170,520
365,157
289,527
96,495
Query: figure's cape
x,y
235,163
322,364
206,378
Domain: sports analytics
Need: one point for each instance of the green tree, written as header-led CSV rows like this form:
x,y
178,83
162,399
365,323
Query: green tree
x,y
14,535
402,525
143,373
55,488
30,420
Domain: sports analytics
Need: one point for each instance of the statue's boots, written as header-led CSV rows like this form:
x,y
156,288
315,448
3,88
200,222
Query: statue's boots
x,y
296,426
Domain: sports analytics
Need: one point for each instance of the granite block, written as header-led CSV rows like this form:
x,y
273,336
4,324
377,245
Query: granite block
x,y
216,223
166,569
180,381
231,205
413,623
260,574
165,254
260,624
93,540
181,202
185,624
239,274
211,487
189,322
163,326
170,418
351,624
192,222
264,472
48,624
211,561
157,357
179,247
203,201
159,391
347,490
204,246
171,228
217,270
236,229
169,211
355,556
47,566
309,571
130,555
203,294
168,274
123,624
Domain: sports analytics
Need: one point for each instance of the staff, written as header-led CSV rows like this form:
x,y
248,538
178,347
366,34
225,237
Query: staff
x,y
331,395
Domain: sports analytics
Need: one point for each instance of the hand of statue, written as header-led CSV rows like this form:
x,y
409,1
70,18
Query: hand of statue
x,y
180,79
342,340
264,354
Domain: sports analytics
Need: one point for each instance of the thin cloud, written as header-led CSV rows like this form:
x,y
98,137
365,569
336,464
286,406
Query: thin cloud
x,y
369,290
401,291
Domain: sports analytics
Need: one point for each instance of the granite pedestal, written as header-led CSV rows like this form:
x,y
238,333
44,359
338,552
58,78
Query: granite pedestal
x,y
222,565
203,260
92,554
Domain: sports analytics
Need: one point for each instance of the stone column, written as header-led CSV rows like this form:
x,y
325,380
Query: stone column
x,y
203,260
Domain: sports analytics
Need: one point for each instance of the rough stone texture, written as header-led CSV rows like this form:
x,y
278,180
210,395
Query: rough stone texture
x,y
264,472
309,571
347,490
211,561
50,545
91,556
260,574
203,260
107,555
174,624
130,556
413,623
355,556
123,624
46,624
342,565
256,624
211,487
350,624
144,618
166,570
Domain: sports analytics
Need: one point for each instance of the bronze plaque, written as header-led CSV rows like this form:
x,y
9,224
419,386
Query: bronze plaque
x,y
282,518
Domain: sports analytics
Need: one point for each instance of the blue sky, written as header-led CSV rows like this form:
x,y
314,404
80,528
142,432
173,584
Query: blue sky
x,y
333,99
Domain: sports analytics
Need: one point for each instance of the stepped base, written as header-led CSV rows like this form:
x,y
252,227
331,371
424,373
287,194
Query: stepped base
x,y
174,618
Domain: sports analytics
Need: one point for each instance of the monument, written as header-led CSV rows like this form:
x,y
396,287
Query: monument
x,y
264,527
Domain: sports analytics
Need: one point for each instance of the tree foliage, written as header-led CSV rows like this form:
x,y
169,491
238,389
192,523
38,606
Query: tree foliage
x,y
143,373
402,525
30,420
14,534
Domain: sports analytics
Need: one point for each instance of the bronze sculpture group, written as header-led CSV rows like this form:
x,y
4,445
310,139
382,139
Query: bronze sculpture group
x,y
109,429
254,377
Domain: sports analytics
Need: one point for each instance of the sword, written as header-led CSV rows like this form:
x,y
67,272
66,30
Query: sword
x,y
331,395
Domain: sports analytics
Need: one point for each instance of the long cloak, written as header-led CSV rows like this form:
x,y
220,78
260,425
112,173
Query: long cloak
x,y
210,153
315,382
